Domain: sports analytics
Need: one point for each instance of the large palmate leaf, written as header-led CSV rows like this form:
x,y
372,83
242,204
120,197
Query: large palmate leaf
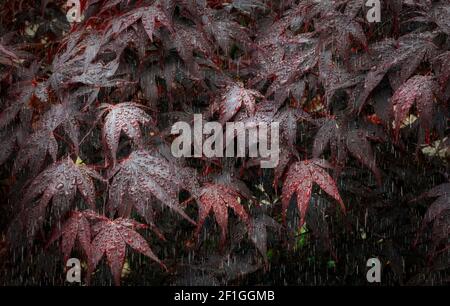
x,y
60,183
233,98
22,95
420,90
299,180
225,30
35,150
342,30
76,227
343,139
43,142
285,60
57,184
218,198
334,77
124,117
411,50
151,16
141,176
111,239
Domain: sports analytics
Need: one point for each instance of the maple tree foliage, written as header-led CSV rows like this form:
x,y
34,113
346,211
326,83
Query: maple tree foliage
x,y
76,227
124,117
234,98
436,211
111,239
87,105
299,180
419,89
142,176
218,198
59,184
341,138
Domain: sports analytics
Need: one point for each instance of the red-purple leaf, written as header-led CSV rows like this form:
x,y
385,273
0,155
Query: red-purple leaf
x,y
218,198
141,176
124,117
234,97
112,238
299,180
420,90
75,227
60,183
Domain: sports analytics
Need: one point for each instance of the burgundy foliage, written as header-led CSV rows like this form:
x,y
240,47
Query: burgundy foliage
x,y
85,115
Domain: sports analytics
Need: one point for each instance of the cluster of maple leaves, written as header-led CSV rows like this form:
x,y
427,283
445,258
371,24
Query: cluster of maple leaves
x,y
86,108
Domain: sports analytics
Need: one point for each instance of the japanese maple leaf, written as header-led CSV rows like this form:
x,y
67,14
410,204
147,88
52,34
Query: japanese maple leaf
x,y
442,203
334,77
76,227
342,30
233,98
299,180
225,31
188,39
288,118
34,151
21,94
285,60
124,117
63,115
419,90
412,50
43,142
218,198
437,213
343,139
258,235
151,16
60,182
141,176
95,67
111,239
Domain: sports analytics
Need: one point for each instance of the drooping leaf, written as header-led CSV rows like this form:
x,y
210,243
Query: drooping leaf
x,y
22,95
35,150
151,16
111,238
76,227
419,90
343,139
233,98
43,142
299,180
442,203
57,184
218,198
141,176
411,50
124,117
